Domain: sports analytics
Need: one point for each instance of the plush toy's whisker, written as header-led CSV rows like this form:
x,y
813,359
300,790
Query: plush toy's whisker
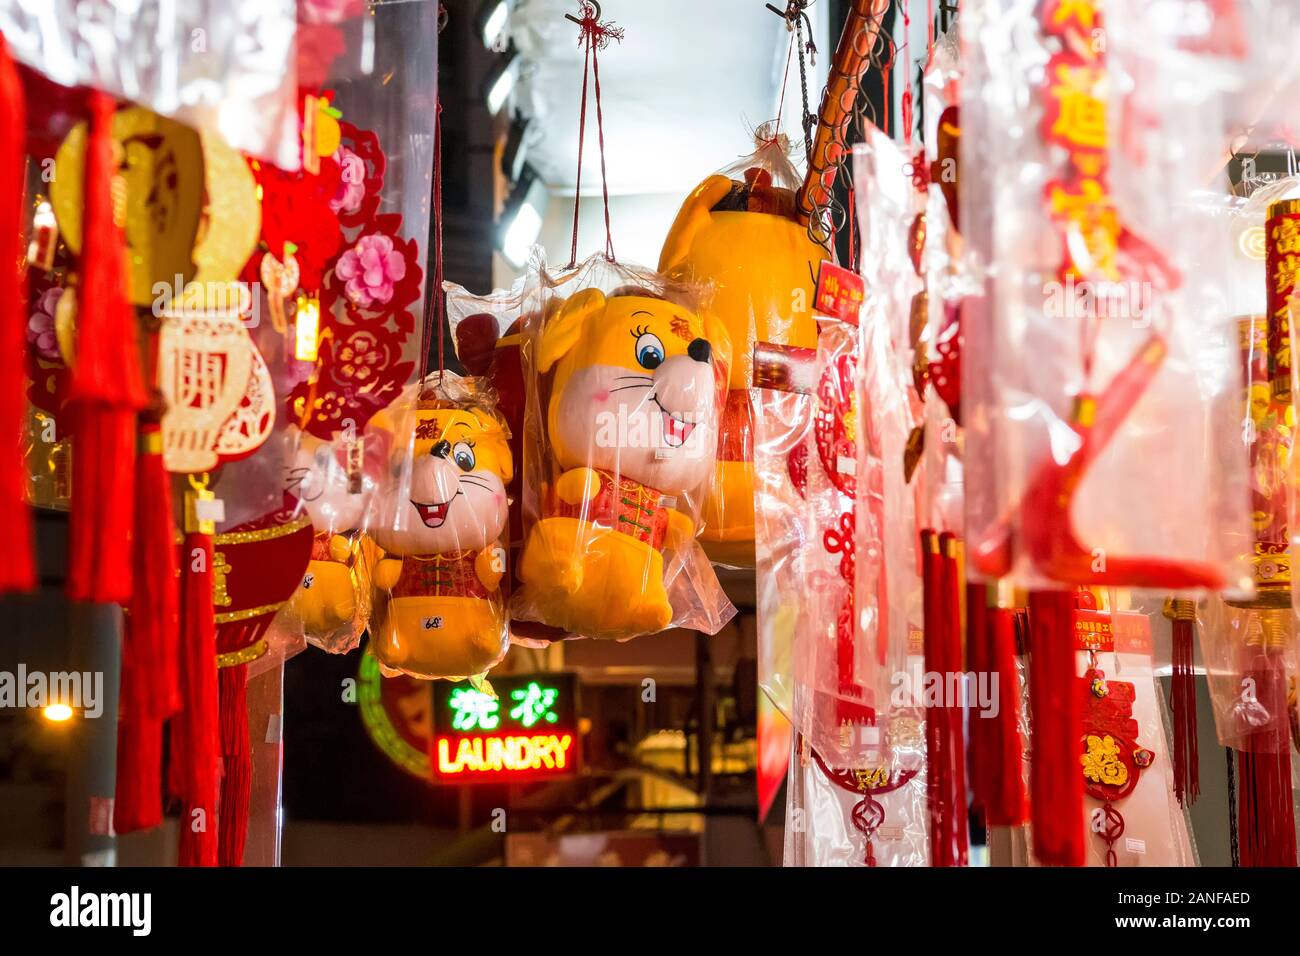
x,y
620,388
638,378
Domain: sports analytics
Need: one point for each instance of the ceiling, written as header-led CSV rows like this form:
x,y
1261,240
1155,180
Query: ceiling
x,y
681,93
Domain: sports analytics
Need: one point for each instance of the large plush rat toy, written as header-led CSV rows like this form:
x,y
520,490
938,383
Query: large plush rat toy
x,y
631,429
439,517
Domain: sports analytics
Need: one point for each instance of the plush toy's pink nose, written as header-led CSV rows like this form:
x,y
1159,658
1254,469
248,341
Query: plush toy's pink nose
x,y
682,383
434,479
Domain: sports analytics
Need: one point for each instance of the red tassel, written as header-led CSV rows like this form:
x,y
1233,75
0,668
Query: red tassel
x,y
195,734
107,388
18,569
996,750
1056,726
1182,703
981,727
1006,798
945,748
1266,820
137,804
149,689
236,783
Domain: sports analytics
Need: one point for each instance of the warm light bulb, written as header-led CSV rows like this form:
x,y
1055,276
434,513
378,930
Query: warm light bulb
x,y
58,713
307,329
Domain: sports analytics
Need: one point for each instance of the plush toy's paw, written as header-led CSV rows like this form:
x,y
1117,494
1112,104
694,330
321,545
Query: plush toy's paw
x,y
681,530
387,572
578,485
344,606
340,548
490,565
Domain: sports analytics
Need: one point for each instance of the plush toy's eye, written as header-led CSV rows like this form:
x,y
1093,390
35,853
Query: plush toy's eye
x,y
649,350
464,456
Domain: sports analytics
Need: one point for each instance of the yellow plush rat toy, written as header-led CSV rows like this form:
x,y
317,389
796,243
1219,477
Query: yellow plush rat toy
x,y
631,425
745,240
332,602
439,518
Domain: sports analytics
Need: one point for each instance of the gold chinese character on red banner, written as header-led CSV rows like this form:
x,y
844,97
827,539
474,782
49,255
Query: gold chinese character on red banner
x,y
1087,213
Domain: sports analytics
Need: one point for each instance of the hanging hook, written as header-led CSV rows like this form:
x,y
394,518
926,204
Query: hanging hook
x,y
579,22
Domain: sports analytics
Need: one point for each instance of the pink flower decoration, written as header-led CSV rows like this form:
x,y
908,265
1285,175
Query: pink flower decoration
x,y
40,325
352,182
370,269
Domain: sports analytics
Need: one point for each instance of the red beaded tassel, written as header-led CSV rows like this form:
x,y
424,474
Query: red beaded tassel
x,y
945,750
1055,779
195,733
18,569
1182,701
107,390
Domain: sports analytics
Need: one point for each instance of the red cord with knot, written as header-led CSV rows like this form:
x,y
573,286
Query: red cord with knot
x,y
593,37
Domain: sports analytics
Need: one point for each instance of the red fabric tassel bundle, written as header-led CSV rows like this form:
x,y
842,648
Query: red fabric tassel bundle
x,y
981,728
18,570
195,733
1006,797
945,746
107,390
1265,817
996,751
1182,702
237,764
1056,727
149,689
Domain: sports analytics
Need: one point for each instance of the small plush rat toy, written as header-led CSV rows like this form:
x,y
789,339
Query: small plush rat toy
x,y
333,601
631,425
438,519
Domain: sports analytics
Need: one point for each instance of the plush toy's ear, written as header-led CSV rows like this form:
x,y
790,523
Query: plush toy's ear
x,y
691,218
562,331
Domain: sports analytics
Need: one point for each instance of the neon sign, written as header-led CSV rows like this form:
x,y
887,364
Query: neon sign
x,y
526,731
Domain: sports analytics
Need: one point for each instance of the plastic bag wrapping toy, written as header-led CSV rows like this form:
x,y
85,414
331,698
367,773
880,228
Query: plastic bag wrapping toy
x,y
625,376
486,333
739,230
333,487
437,520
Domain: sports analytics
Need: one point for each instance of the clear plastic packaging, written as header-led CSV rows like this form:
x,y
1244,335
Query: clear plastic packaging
x,y
1105,354
856,818
739,231
625,386
223,67
486,330
782,420
333,486
437,522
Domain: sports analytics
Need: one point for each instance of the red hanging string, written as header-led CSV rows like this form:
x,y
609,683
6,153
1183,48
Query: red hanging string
x,y
439,297
593,36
